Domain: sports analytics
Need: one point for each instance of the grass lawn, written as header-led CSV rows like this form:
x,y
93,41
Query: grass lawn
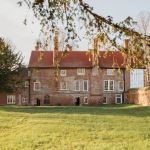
x,y
118,127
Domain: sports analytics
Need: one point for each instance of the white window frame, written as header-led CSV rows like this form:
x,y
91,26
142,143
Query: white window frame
x,y
110,72
75,85
61,86
81,71
87,85
87,100
117,97
24,99
63,73
119,89
106,100
37,90
13,99
109,85
26,84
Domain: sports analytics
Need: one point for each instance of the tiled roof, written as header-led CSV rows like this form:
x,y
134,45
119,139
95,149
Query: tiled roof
x,y
75,59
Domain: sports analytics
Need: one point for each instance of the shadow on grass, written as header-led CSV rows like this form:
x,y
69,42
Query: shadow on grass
x,y
116,110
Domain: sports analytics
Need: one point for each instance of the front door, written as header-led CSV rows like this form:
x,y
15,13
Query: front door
x,y
77,101
38,102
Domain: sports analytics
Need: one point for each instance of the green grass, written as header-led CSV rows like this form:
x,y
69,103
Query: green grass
x,y
118,127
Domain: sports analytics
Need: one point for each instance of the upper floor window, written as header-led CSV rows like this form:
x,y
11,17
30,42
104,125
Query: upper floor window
x,y
11,99
109,85
63,73
37,86
85,85
63,86
77,85
110,72
120,86
81,71
26,84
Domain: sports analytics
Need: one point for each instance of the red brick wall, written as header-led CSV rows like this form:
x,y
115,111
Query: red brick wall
x,y
94,94
138,96
3,99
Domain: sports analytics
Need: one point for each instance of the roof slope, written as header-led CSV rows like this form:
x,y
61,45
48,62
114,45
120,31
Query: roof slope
x,y
76,59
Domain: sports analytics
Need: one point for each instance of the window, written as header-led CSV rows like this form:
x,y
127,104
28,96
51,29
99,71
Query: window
x,y
85,100
85,85
120,86
118,98
11,99
26,84
37,86
24,99
63,85
81,71
77,85
110,72
63,73
108,85
104,100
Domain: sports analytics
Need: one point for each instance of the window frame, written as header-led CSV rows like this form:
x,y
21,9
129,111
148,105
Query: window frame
x,y
87,85
39,86
63,74
75,89
81,73
84,100
13,101
106,100
62,89
108,72
109,81
24,99
117,97
26,84
119,89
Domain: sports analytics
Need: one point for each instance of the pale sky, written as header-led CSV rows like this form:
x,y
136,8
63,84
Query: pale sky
x,y
24,37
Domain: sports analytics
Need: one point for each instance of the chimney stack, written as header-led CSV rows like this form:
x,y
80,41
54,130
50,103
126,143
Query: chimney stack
x,y
126,43
95,43
56,47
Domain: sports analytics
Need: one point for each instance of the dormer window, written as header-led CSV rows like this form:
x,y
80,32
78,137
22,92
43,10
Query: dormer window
x,y
81,71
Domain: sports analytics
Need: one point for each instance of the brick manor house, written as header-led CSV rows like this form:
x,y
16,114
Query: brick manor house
x,y
79,81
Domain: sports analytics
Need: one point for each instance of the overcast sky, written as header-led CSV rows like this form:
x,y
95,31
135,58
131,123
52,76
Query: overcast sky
x,y
24,37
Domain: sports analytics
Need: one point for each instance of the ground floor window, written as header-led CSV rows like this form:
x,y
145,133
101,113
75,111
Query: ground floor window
x,y
11,99
85,100
24,99
118,98
104,100
46,99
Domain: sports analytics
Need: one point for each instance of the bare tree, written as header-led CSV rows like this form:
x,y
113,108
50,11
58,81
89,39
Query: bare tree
x,y
144,28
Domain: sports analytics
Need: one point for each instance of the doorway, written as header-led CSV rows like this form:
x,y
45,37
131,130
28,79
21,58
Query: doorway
x,y
38,102
77,103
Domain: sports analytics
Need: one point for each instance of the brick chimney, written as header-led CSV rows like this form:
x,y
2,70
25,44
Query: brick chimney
x,y
126,43
56,47
95,43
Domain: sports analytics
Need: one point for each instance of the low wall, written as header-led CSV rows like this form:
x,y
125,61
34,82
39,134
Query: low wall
x,y
138,96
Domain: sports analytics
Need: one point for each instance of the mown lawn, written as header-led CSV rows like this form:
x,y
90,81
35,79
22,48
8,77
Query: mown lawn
x,y
118,127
